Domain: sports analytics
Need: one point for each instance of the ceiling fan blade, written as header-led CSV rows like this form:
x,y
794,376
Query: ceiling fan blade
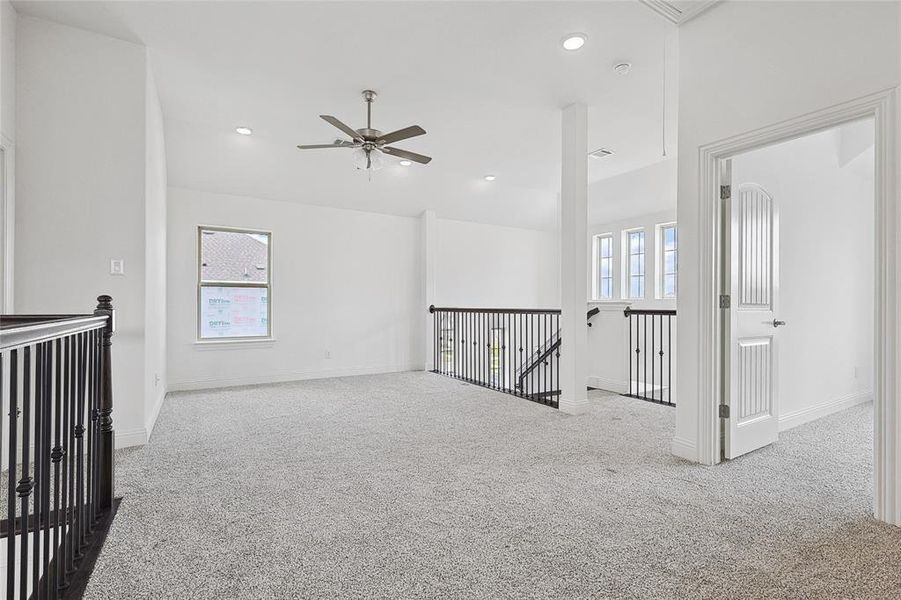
x,y
401,134
316,146
332,120
423,160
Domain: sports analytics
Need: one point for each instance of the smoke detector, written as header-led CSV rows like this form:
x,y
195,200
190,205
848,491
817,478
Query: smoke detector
x,y
623,68
600,153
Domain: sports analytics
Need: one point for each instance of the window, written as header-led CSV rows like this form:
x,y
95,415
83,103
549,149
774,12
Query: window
x,y
635,263
669,260
603,266
233,283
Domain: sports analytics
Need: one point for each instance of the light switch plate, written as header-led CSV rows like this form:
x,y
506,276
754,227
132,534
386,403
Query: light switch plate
x,y
117,266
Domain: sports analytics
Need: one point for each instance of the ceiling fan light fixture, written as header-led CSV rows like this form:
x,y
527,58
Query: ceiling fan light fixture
x,y
406,163
243,130
367,161
574,41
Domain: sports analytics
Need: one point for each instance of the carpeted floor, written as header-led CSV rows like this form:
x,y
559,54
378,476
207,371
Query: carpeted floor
x,y
413,485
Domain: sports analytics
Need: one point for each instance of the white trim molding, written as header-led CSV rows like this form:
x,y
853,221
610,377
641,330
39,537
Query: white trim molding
x,y
884,108
684,449
286,376
7,224
619,386
676,15
812,413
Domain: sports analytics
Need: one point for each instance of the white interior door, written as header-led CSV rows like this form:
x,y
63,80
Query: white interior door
x,y
752,242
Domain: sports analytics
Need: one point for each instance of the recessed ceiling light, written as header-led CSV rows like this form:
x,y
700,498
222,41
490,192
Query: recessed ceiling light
x,y
244,130
574,41
490,177
622,68
405,163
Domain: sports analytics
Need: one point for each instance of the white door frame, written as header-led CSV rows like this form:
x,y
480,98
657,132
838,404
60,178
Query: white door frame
x,y
884,108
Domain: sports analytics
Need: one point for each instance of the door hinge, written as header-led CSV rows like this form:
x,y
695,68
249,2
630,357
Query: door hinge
x,y
724,411
725,192
725,301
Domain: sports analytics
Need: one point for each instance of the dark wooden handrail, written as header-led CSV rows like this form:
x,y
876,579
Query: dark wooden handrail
x,y
504,311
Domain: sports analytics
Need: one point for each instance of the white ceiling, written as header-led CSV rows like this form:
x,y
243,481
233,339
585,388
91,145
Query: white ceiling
x,y
486,80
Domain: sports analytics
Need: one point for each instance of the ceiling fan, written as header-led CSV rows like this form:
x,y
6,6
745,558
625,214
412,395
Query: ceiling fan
x,y
369,143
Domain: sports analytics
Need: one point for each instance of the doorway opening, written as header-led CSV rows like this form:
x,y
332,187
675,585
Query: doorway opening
x,y
798,287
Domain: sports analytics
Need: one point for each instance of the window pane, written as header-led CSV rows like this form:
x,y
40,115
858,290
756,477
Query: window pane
x,y
669,262
605,268
669,286
634,243
234,256
607,288
634,287
669,238
635,264
233,312
640,270
606,247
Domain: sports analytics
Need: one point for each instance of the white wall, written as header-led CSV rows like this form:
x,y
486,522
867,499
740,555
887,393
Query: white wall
x,y
826,266
85,166
155,239
8,24
746,65
344,283
496,267
648,190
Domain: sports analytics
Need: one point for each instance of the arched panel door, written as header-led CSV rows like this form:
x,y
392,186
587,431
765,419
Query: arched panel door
x,y
753,325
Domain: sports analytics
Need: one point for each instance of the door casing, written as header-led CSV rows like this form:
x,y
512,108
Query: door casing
x,y
883,107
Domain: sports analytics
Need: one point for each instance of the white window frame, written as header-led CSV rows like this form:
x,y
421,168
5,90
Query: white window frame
x,y
660,262
202,283
627,263
596,263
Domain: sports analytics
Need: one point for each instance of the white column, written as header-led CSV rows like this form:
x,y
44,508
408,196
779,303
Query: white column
x,y
574,261
429,234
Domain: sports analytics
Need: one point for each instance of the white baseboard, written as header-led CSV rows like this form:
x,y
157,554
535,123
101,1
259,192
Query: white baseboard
x,y
610,385
131,437
219,382
155,413
799,417
684,449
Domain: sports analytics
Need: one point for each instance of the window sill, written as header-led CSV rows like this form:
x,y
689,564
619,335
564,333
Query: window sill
x,y
232,343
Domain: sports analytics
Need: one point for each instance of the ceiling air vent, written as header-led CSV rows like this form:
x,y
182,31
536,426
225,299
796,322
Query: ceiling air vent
x,y
600,153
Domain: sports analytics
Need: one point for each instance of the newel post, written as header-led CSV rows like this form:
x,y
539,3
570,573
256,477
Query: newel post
x,y
107,439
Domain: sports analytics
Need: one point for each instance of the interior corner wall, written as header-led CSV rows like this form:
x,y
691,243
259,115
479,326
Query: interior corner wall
x,y
491,266
8,25
156,188
747,65
346,293
80,188
826,271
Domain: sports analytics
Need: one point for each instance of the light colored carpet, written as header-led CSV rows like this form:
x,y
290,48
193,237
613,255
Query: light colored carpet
x,y
414,485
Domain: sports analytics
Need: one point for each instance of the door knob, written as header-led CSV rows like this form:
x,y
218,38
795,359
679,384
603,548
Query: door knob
x,y
777,323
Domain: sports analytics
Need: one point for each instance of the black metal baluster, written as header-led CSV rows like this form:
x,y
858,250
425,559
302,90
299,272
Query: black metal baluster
x,y
25,483
65,560
38,445
79,437
55,456
45,468
669,326
72,552
644,326
653,347
661,357
11,486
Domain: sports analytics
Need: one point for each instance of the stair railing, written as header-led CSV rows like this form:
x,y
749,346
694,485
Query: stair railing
x,y
56,384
